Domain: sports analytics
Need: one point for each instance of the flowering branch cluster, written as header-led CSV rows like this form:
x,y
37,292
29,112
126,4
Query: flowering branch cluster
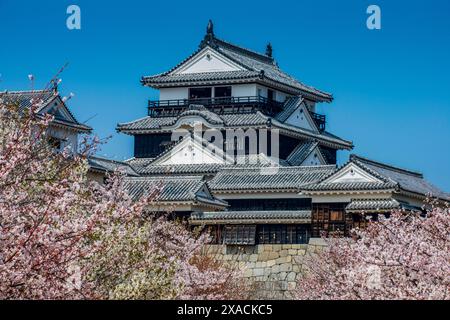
x,y
64,237
403,257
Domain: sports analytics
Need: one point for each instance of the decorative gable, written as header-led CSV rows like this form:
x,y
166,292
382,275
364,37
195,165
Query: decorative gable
x,y
207,60
301,118
351,173
59,110
192,151
315,158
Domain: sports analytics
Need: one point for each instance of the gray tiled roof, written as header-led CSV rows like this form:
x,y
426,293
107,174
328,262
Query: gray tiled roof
x,y
270,178
199,110
391,178
202,76
41,99
235,121
25,99
229,120
171,189
251,216
301,152
247,161
407,180
204,168
139,163
108,165
350,186
372,204
324,137
256,66
288,108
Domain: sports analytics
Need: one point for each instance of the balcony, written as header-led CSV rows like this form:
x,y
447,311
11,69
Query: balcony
x,y
249,104
320,120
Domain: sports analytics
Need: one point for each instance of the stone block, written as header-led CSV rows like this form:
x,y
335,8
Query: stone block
x,y
258,272
253,258
270,263
317,242
282,276
248,273
276,269
258,249
291,285
264,256
283,253
276,247
286,267
291,276
273,255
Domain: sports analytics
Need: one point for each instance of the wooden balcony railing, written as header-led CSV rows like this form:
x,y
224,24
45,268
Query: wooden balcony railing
x,y
220,105
320,120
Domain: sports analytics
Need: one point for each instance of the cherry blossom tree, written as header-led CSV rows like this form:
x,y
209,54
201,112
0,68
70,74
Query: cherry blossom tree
x,y
64,237
405,256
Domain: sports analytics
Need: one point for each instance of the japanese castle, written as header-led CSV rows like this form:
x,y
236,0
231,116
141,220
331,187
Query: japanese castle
x,y
256,194
236,145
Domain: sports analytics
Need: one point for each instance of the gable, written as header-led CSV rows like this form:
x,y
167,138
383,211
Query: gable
x,y
207,60
315,158
301,118
191,151
204,192
59,110
352,173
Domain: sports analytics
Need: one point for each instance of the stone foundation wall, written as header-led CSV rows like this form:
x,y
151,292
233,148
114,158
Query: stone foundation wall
x,y
273,269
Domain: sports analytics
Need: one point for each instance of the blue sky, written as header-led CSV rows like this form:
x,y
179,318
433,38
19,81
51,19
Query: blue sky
x,y
391,87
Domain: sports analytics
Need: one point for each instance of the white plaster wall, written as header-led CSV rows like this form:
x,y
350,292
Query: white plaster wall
x,y
173,93
70,138
299,119
238,90
347,197
208,61
278,95
243,90
313,159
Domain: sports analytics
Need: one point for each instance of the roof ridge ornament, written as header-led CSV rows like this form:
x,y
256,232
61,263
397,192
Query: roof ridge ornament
x,y
209,36
210,28
269,50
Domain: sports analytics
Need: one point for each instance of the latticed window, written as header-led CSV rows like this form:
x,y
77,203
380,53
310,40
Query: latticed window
x,y
239,234
330,218
283,234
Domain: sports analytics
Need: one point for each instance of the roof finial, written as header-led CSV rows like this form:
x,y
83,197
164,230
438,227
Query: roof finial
x,y
210,28
269,50
55,82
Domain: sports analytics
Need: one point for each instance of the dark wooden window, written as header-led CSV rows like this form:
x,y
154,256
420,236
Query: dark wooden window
x,y
222,92
269,204
239,234
283,234
198,93
260,234
362,220
55,143
270,94
330,218
150,146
